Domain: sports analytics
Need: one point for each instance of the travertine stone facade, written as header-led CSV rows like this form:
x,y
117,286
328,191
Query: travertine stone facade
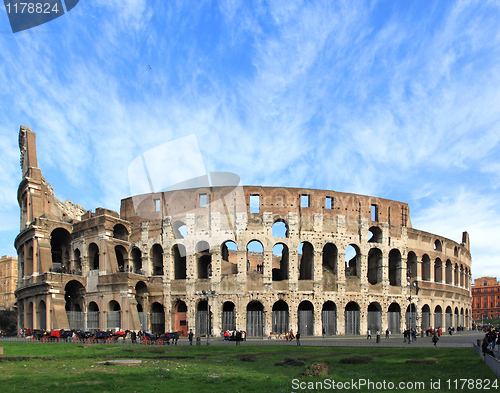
x,y
314,261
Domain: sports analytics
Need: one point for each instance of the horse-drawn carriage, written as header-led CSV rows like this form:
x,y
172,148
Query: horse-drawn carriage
x,y
149,338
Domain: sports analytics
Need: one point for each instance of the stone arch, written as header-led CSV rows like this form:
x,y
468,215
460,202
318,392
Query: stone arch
x,y
255,256
456,275
306,262
449,272
113,315
280,228
157,318
352,261
93,320
352,318
74,295
329,318
203,260
426,317
93,252
330,258
394,318
280,264
437,245
411,316
180,317
30,268
42,315
179,256
374,313
120,232
60,246
180,229
448,318
136,257
426,268
157,253
438,270
255,325
375,235
121,258
411,265
77,257
375,266
305,317
229,254
228,317
280,317
438,317
395,267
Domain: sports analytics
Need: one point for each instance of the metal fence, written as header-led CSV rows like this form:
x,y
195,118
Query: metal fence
x,y
255,326
113,319
394,322
202,322
93,320
352,322
158,322
280,322
143,319
375,321
329,322
228,321
76,319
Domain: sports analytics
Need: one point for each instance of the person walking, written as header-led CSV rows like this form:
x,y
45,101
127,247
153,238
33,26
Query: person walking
x,y
368,334
435,339
387,333
190,336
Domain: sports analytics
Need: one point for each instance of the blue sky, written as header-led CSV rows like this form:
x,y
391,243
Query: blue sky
x,y
395,99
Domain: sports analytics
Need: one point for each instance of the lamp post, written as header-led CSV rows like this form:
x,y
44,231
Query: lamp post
x,y
208,295
410,284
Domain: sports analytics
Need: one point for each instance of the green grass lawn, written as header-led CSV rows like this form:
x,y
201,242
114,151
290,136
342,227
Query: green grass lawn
x,y
45,367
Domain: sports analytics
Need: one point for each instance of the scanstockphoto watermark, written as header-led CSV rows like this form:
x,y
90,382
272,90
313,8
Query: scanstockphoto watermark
x,y
371,386
26,14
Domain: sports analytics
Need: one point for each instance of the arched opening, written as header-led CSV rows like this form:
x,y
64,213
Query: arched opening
x,y
438,317
449,318
120,232
157,318
375,235
180,318
280,317
77,256
329,319
280,228
449,272
203,323
180,230
374,266
426,268
121,257
204,260
426,318
42,315
141,294
462,319
93,256
305,316
352,319
280,262
93,316
330,255
255,256
411,316
29,315
462,275
352,261
455,251
229,254
456,278
438,246
157,252
394,318
411,265
306,257
74,295
456,319
113,316
395,268
136,256
255,325
29,262
228,317
374,317
60,241
438,271
179,254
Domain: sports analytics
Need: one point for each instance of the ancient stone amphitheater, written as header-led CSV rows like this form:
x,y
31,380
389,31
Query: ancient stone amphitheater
x,y
265,260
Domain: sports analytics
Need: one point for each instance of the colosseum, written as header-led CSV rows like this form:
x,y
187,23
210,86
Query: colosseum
x,y
265,260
